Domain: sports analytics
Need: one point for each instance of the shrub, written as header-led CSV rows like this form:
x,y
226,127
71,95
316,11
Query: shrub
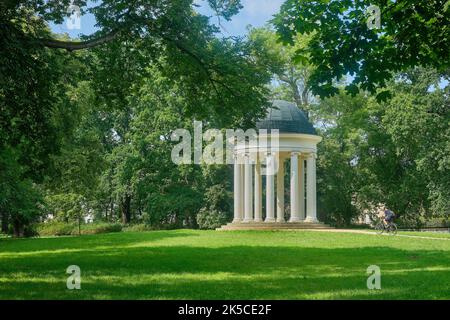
x,y
437,223
96,228
55,228
141,227
420,222
217,208
213,219
66,206
21,200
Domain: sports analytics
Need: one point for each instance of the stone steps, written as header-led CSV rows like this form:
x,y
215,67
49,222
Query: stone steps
x,y
274,226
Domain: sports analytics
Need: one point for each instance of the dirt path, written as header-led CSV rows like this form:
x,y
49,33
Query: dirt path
x,y
373,233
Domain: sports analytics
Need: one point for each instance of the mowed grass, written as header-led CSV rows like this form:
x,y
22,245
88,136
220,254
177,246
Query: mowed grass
x,y
188,264
427,234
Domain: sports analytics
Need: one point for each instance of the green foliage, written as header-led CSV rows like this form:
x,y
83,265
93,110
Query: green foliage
x,y
21,201
33,85
36,115
58,228
394,153
290,73
417,120
340,118
218,197
225,8
66,207
96,228
86,126
217,209
207,219
140,227
90,130
412,33
420,222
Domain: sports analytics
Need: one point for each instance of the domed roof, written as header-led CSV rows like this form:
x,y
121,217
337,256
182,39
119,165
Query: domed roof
x,y
286,117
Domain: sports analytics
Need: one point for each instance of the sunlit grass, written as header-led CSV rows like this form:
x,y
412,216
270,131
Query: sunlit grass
x,y
187,264
427,234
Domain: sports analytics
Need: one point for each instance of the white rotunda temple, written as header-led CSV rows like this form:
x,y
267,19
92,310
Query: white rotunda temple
x,y
297,144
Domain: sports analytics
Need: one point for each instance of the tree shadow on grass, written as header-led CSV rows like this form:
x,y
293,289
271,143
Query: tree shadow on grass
x,y
86,242
233,272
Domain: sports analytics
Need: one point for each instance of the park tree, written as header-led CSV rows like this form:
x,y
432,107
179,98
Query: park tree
x,y
235,98
68,105
340,120
33,82
393,152
21,201
74,179
347,40
416,120
291,76
164,193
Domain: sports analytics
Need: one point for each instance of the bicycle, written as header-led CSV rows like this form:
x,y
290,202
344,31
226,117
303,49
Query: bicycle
x,y
390,228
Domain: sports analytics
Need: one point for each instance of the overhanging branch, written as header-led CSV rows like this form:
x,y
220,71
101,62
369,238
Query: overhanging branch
x,y
73,46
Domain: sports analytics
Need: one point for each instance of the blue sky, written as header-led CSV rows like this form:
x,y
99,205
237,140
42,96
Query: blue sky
x,y
254,12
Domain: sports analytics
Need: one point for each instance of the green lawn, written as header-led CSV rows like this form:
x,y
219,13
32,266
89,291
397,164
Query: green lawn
x,y
186,264
426,234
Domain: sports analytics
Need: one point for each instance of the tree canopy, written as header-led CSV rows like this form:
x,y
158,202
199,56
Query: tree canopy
x,y
393,152
68,115
292,76
411,33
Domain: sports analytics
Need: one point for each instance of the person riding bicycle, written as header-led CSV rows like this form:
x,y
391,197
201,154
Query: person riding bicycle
x,y
386,223
389,216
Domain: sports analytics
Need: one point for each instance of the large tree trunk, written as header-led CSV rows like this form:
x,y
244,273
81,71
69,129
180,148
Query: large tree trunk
x,y
18,228
5,222
296,94
111,212
126,209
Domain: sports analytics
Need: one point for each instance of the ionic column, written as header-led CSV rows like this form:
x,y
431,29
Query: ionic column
x,y
248,193
237,191
270,191
301,170
311,214
258,192
295,217
280,190
241,182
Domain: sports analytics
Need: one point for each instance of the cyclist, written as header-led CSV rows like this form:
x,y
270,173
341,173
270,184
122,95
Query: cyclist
x,y
388,216
387,224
